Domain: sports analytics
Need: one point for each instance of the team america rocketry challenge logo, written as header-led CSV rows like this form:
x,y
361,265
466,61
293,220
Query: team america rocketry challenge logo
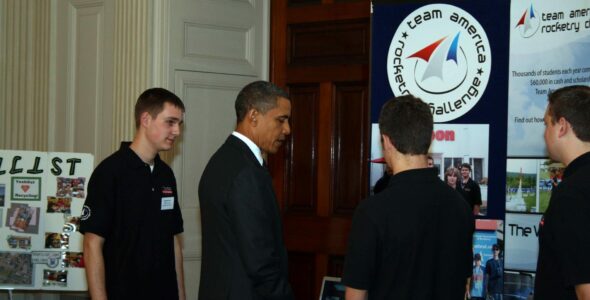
x,y
528,24
441,54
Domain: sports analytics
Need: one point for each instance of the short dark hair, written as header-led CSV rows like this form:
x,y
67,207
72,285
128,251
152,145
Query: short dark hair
x,y
260,95
573,104
407,121
495,247
466,165
477,256
152,101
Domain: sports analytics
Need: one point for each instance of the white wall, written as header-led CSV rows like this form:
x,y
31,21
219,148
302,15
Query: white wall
x,y
71,71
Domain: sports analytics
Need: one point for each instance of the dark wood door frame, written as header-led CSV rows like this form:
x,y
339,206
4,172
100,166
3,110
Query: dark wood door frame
x,y
320,54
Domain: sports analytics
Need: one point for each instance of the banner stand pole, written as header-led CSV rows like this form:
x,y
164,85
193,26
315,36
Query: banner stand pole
x,y
9,290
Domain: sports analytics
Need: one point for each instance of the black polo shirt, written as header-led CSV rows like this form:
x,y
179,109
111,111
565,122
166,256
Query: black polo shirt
x,y
136,211
411,241
471,192
564,236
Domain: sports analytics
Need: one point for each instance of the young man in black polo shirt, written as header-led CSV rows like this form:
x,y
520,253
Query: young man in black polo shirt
x,y
412,240
563,267
131,220
470,189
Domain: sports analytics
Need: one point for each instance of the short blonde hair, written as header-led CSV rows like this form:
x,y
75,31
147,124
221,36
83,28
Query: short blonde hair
x,y
452,171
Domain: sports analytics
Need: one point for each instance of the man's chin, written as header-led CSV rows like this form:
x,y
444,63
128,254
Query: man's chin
x,y
166,146
271,150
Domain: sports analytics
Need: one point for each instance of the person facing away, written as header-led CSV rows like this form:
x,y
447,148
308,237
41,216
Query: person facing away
x,y
412,240
470,189
244,256
563,267
131,220
495,275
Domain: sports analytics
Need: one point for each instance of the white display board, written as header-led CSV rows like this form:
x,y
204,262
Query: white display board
x,y
41,198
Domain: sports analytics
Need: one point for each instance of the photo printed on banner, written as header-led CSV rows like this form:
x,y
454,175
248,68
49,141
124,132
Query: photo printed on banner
x,y
71,224
54,240
452,146
488,258
71,187
73,260
23,218
529,183
19,242
55,278
16,268
59,205
518,285
550,175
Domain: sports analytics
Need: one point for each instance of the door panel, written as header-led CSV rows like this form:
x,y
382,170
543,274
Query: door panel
x,y
216,48
320,53
301,170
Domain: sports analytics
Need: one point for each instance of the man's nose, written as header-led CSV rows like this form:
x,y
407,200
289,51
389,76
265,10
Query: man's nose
x,y
286,128
176,129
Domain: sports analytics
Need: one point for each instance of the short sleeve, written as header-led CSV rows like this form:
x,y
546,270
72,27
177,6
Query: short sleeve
x,y
178,226
476,194
98,208
359,264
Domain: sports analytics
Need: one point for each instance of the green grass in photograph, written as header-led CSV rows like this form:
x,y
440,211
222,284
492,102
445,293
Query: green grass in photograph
x,y
544,197
530,201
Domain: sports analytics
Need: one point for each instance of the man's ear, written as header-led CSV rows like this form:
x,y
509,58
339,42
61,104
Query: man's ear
x,y
252,117
145,119
386,141
564,127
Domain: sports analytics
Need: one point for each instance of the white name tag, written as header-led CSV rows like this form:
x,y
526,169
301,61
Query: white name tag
x,y
167,203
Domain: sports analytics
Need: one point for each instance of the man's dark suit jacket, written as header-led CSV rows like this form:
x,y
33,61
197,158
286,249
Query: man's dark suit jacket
x,y
244,256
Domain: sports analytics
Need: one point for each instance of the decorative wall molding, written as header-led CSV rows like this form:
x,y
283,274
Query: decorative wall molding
x,y
24,74
132,63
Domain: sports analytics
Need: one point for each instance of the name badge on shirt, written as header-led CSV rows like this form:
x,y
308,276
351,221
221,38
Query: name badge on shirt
x,y
167,203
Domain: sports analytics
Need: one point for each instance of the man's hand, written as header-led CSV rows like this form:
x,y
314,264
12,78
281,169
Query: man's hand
x,y
583,291
354,294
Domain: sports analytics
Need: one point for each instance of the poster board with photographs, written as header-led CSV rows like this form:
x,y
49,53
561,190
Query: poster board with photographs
x,y
41,198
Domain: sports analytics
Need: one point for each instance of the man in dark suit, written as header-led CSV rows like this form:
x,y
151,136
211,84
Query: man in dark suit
x,y
244,256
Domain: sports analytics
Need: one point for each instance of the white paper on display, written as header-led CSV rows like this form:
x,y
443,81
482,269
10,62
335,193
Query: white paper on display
x,y
43,194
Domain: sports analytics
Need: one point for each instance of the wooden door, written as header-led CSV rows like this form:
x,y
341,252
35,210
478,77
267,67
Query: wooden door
x,y
320,54
215,48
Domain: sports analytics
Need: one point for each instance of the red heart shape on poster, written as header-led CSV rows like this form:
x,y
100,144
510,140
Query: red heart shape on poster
x,y
25,187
